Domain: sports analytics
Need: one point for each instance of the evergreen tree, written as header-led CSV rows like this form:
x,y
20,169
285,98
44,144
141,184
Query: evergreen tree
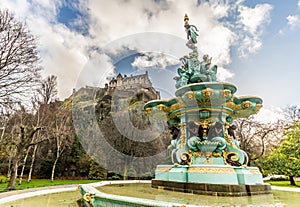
x,y
286,158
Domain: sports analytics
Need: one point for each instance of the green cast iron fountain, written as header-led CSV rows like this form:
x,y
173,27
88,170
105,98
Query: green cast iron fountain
x,y
205,154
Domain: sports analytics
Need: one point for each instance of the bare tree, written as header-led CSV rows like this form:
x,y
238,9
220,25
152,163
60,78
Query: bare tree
x,y
48,89
62,131
3,122
19,60
257,138
21,139
23,164
47,92
292,113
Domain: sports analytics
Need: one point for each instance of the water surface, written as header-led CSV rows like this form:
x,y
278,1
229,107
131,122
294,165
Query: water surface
x,y
278,199
62,199
69,198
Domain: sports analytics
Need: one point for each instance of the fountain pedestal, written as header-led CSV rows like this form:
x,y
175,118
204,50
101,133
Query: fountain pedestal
x,y
206,158
211,180
205,154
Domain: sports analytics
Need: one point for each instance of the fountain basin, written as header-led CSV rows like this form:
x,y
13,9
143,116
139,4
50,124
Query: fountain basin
x,y
94,198
137,193
207,179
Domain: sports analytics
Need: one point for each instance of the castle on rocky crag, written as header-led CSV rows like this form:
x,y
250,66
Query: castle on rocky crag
x,y
135,87
130,86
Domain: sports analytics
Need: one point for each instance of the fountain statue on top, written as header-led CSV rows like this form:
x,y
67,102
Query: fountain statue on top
x,y
193,70
205,154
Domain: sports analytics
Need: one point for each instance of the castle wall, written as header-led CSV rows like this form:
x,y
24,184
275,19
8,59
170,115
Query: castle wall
x,y
126,87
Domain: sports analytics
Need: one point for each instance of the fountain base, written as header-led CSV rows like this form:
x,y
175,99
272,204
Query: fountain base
x,y
211,180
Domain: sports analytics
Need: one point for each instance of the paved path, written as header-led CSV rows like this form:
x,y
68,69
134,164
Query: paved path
x,y
285,189
20,194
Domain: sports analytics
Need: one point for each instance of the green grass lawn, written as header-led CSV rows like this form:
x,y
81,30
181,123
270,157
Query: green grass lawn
x,y
284,183
36,183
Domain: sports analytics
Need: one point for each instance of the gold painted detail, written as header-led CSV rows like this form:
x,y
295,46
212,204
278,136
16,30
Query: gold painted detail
x,y
206,154
225,93
204,103
161,107
197,154
190,95
161,169
180,102
148,111
212,170
186,158
232,106
182,137
224,157
205,125
254,171
186,19
233,156
207,93
246,104
207,143
174,107
226,135
216,154
257,108
87,197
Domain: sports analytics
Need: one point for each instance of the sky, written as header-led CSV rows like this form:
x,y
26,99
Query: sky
x,y
255,43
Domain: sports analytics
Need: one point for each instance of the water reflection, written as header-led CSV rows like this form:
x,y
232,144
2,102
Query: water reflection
x,y
69,198
64,199
278,199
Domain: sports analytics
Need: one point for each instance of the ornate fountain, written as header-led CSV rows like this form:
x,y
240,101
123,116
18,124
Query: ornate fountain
x,y
205,154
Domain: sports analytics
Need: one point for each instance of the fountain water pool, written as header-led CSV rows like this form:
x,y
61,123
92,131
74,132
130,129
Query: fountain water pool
x,y
137,190
61,199
144,191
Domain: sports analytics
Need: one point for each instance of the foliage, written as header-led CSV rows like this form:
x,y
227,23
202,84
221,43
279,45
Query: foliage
x,y
3,179
96,172
21,137
279,179
36,183
285,159
83,166
283,183
45,167
62,152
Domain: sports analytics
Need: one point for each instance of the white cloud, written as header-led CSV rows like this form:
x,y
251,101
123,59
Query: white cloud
x,y
154,60
96,71
251,21
293,21
299,3
214,37
19,7
224,74
270,114
63,52
140,26
253,18
219,8
249,45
